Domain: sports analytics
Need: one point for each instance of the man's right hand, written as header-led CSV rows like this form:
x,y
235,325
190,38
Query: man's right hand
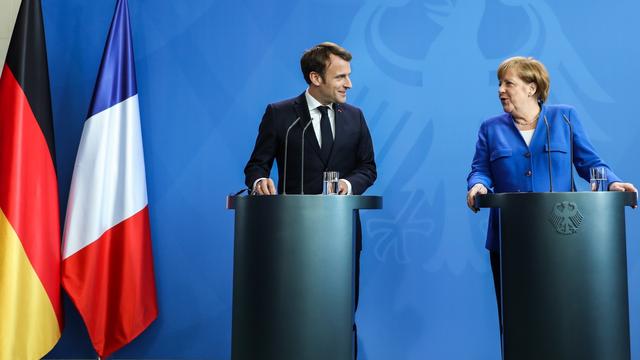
x,y
265,187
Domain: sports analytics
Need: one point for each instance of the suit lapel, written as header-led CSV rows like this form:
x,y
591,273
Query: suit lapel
x,y
302,110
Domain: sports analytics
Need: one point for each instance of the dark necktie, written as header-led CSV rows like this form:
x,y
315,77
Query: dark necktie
x,y
325,133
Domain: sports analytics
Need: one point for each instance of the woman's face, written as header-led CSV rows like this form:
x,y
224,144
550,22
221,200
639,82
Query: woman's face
x,y
516,95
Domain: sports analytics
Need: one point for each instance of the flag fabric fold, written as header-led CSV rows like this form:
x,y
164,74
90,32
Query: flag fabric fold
x,y
30,304
107,266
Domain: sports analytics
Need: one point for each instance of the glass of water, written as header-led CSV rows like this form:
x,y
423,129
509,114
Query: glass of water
x,y
330,186
598,178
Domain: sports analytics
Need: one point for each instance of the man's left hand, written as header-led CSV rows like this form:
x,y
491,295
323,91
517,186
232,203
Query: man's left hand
x,y
343,188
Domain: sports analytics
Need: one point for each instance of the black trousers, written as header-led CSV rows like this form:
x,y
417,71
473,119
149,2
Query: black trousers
x,y
494,258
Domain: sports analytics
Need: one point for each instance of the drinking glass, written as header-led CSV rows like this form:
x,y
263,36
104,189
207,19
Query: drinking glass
x,y
330,186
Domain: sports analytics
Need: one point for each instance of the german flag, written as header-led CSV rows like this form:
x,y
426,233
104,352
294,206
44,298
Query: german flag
x,y
30,306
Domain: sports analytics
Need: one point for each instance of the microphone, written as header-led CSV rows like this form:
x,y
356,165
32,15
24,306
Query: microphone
x,y
286,145
302,161
566,119
546,123
240,192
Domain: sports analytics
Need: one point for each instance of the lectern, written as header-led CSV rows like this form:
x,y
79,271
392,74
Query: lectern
x,y
563,274
293,276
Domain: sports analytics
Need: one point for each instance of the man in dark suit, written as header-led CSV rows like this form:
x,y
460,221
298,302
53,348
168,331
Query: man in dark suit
x,y
335,137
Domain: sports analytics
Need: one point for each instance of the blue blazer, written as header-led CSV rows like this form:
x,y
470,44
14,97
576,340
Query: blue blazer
x,y
504,163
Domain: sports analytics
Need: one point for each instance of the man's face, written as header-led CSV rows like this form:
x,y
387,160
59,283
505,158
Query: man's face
x,y
333,86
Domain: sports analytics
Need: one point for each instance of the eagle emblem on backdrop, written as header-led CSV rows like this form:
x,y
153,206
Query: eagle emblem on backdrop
x,y
429,82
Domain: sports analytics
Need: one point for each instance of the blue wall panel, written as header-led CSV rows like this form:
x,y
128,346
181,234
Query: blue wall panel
x,y
424,73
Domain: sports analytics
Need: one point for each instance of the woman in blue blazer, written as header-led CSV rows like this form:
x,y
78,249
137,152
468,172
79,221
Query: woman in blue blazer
x,y
514,148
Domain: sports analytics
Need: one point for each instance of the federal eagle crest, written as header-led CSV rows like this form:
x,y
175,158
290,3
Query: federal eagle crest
x,y
566,217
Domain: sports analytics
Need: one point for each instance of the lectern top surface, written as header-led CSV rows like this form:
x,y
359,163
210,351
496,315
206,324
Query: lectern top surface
x,y
353,201
500,200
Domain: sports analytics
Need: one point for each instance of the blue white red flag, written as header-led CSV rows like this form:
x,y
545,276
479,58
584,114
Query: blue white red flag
x,y
107,258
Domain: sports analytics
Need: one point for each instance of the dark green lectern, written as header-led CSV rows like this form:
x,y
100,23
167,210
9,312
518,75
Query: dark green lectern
x,y
564,274
293,276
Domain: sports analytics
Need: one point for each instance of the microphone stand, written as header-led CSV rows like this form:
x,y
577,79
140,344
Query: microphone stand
x,y
302,161
573,185
546,123
286,145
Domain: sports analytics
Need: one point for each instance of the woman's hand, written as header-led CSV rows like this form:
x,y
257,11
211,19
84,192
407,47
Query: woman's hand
x,y
471,196
620,186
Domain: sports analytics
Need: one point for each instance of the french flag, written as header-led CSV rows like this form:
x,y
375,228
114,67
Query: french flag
x,y
107,266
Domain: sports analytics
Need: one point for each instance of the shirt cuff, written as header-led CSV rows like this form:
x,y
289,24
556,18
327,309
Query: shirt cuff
x,y
253,188
349,192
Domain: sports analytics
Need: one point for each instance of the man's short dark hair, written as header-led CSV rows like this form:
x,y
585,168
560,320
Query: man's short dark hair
x,y
316,59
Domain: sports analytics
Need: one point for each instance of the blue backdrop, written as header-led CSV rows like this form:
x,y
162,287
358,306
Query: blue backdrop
x,y
424,73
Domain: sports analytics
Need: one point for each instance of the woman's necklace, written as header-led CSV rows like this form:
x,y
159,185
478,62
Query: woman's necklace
x,y
527,125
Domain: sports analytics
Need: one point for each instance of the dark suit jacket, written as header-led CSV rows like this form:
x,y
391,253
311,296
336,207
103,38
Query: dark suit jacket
x,y
352,153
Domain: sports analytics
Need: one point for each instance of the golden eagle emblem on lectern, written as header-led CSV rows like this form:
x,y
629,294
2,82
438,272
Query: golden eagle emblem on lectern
x,y
566,217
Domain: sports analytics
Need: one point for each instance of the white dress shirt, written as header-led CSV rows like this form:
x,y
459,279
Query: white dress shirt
x,y
316,116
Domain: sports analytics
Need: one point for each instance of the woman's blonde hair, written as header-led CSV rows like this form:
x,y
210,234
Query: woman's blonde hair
x,y
529,70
